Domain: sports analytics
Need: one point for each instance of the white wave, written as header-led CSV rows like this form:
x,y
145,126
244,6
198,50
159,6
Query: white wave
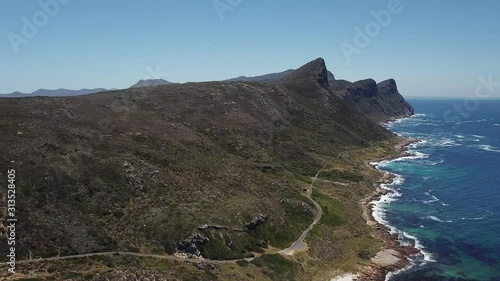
x,y
431,163
434,199
378,211
419,115
474,121
415,155
446,142
478,136
421,259
497,125
436,219
478,218
487,147
417,144
426,255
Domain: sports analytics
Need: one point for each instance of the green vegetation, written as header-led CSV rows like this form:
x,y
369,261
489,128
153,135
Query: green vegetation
x,y
336,175
277,267
333,213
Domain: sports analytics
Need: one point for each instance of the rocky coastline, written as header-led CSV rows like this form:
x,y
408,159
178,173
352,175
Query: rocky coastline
x,y
395,256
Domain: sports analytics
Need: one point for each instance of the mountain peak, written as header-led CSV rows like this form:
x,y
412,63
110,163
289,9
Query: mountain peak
x,y
388,82
315,69
150,82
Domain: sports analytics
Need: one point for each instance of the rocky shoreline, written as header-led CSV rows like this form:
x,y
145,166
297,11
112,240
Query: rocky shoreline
x,y
395,256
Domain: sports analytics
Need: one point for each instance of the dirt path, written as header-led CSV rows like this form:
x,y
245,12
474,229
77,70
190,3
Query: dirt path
x,y
164,257
298,245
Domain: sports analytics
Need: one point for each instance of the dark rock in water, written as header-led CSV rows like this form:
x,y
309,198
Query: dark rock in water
x,y
255,222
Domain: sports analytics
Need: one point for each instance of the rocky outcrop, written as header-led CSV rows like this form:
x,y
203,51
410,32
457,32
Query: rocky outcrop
x,y
270,168
192,244
256,221
211,226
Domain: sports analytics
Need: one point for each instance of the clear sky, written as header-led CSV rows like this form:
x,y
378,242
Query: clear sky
x,y
432,48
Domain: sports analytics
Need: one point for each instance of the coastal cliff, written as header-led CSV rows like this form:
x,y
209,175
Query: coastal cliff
x,y
214,171
381,102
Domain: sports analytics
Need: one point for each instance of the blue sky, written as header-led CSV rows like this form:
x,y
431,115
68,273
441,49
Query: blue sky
x,y
431,48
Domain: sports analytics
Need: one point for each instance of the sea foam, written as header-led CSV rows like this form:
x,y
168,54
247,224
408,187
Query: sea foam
x,y
436,219
487,147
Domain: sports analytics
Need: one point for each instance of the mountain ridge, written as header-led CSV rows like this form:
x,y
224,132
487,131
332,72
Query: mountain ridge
x,y
212,170
61,92
271,77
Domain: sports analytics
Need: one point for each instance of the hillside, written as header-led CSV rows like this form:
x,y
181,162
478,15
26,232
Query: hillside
x,y
213,170
271,78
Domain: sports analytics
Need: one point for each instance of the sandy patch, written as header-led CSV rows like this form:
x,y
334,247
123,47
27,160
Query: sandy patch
x,y
346,277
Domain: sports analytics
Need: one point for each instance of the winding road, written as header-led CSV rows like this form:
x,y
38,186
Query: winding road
x,y
298,245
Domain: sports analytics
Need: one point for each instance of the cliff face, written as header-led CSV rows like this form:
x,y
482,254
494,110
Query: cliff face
x,y
381,102
389,93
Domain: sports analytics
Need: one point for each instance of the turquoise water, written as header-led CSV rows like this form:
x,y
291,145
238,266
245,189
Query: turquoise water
x,y
447,195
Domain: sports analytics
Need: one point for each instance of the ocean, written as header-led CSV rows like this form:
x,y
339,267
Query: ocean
x,y
446,195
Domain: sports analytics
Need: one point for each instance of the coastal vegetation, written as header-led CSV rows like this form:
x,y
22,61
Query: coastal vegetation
x,y
214,173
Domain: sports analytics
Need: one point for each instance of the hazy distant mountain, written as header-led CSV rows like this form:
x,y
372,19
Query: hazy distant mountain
x,y
69,93
272,77
150,82
54,93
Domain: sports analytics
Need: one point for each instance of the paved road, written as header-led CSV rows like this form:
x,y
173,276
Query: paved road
x,y
298,245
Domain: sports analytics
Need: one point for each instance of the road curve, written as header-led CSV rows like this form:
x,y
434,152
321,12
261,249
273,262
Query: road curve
x,y
298,245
